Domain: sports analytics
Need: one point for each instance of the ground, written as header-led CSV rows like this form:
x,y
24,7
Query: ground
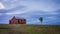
x,y
29,29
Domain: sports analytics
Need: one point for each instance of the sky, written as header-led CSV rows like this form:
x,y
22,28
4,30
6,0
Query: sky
x,y
31,10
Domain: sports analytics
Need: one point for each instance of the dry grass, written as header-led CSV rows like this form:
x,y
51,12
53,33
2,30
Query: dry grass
x,y
29,29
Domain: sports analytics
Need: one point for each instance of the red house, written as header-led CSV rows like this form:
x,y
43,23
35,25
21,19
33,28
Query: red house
x,y
15,20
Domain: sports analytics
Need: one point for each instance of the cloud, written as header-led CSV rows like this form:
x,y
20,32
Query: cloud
x,y
2,6
44,5
40,5
14,13
16,10
1,14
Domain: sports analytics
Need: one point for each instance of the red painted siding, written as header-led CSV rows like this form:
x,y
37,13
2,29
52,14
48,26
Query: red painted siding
x,y
17,21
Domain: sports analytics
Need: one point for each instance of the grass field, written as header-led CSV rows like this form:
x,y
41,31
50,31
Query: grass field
x,y
29,29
